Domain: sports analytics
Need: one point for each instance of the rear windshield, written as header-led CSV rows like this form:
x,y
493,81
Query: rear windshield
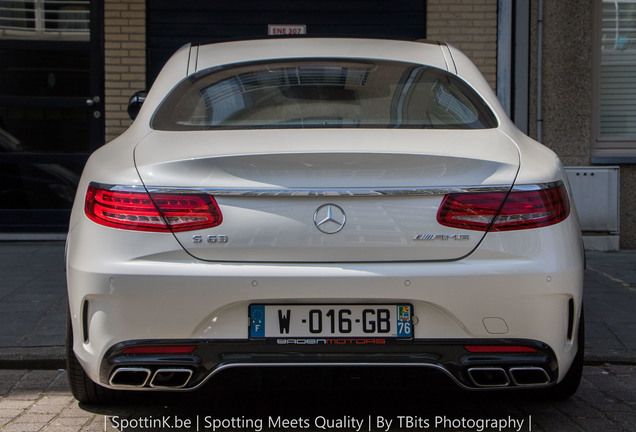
x,y
323,93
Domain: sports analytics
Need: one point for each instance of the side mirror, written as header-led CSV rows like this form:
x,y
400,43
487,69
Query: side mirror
x,y
135,103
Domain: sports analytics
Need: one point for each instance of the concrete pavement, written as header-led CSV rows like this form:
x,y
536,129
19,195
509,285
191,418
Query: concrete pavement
x,y
33,306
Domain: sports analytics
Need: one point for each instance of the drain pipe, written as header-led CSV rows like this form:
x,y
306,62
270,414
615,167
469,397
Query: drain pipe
x,y
504,55
540,72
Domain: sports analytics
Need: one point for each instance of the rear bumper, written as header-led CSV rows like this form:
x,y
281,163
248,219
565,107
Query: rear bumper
x,y
190,371
118,296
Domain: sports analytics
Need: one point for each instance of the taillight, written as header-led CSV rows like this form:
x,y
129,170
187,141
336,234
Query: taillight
x,y
161,349
499,349
521,209
163,212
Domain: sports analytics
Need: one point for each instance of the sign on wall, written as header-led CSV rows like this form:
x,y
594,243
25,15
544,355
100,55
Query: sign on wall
x,y
286,29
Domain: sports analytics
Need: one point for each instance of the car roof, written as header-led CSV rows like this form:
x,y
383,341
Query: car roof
x,y
430,52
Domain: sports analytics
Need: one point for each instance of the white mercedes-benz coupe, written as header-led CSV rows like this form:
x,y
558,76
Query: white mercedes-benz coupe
x,y
323,203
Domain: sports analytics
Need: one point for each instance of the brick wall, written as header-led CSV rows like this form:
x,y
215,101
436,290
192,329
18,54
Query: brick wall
x,y
471,26
125,60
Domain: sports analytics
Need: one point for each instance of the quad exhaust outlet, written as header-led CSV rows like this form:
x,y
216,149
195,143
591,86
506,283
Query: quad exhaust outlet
x,y
140,377
175,378
170,378
523,376
516,376
133,377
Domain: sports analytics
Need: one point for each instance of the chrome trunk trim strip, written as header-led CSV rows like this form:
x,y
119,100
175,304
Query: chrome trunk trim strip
x,y
331,192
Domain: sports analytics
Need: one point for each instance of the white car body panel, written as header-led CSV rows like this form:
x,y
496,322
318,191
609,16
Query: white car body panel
x,y
325,164
133,291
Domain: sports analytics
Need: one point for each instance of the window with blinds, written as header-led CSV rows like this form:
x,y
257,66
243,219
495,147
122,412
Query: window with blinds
x,y
45,19
618,69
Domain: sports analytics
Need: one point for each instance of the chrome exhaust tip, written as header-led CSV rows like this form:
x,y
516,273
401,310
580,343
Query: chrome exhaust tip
x,y
170,378
529,376
489,377
130,377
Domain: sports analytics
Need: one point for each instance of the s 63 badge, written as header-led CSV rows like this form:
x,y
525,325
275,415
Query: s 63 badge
x,y
211,239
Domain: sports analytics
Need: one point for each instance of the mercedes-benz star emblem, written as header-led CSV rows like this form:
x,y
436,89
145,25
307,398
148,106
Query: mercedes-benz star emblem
x,y
329,218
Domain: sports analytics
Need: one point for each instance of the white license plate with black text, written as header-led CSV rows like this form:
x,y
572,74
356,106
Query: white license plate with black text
x,y
334,321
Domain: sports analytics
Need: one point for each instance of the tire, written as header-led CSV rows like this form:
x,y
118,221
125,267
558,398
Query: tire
x,y
82,387
570,383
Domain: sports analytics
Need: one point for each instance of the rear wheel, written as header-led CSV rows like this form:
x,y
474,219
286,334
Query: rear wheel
x,y
82,387
570,383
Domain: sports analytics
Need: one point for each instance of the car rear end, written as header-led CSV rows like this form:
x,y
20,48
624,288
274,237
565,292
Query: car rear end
x,y
235,242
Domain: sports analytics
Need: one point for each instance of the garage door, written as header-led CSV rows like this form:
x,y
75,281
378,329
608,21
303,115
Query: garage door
x,y
173,24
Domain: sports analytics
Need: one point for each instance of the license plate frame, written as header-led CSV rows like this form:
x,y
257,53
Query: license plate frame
x,y
334,321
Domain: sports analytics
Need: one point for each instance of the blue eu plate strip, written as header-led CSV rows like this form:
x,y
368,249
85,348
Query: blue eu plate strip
x,y
257,321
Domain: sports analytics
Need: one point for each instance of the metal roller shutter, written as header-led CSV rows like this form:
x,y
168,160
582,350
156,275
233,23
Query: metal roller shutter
x,y
173,24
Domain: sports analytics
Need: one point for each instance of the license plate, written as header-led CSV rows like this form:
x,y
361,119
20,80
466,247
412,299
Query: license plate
x,y
335,321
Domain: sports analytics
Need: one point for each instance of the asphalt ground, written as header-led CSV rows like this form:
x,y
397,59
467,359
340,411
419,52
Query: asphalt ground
x,y
33,306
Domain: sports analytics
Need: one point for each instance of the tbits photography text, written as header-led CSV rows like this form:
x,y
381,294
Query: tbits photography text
x,y
319,423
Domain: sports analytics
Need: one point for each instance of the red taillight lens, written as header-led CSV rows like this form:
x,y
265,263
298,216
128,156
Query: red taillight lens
x,y
498,349
160,350
137,211
521,210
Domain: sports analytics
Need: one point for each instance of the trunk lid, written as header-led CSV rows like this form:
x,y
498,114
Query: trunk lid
x,y
328,195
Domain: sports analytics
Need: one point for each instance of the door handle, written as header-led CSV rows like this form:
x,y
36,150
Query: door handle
x,y
93,101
